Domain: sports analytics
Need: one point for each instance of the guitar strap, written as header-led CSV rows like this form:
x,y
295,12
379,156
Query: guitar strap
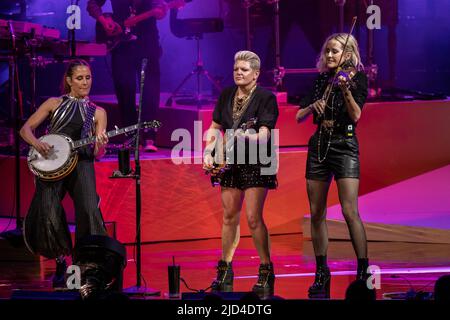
x,y
89,111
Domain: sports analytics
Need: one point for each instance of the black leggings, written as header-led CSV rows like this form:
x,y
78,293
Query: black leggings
x,y
348,197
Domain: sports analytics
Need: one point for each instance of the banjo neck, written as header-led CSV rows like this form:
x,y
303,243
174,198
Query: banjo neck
x,y
63,160
86,141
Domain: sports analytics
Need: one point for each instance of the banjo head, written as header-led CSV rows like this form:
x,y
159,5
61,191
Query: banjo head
x,y
58,156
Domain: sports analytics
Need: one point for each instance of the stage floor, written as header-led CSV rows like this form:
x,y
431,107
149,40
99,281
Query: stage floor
x,y
403,266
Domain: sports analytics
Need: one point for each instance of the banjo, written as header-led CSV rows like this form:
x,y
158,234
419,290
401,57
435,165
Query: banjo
x,y
63,156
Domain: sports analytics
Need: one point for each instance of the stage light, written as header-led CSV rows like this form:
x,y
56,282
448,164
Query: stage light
x,y
358,291
102,260
442,289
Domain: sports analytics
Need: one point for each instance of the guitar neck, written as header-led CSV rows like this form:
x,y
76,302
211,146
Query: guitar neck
x,y
143,16
230,141
133,21
86,141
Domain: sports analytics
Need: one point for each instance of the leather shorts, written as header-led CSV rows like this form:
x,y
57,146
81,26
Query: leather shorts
x,y
341,161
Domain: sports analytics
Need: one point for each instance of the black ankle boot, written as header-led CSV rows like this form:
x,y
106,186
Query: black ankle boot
x,y
320,289
224,279
266,280
361,272
59,278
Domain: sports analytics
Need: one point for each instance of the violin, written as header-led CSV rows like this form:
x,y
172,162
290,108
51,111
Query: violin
x,y
342,78
344,75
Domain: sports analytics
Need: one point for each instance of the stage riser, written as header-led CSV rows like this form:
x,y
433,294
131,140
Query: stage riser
x,y
338,230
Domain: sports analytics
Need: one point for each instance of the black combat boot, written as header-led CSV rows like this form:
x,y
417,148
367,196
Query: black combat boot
x,y
361,272
59,278
320,289
224,279
265,285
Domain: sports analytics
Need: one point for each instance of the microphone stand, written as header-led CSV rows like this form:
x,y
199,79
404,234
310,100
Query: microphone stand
x,y
341,4
138,290
279,70
372,67
248,36
71,37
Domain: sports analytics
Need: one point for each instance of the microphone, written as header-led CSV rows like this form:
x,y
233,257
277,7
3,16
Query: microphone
x,y
11,29
144,65
13,35
141,91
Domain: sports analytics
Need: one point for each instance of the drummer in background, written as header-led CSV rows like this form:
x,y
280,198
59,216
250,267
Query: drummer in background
x,y
45,227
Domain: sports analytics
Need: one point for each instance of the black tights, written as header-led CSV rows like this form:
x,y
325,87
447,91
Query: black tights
x,y
348,197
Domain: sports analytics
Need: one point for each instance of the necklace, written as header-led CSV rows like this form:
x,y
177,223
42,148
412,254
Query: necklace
x,y
240,104
330,133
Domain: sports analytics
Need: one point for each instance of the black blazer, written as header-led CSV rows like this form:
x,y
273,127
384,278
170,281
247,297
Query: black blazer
x,y
263,106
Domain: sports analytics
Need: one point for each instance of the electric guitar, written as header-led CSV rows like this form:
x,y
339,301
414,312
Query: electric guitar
x,y
125,31
218,169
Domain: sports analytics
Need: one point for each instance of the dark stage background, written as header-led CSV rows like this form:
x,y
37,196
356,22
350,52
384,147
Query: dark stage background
x,y
411,49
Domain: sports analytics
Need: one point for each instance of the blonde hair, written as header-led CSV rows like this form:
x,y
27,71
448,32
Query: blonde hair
x,y
352,47
249,56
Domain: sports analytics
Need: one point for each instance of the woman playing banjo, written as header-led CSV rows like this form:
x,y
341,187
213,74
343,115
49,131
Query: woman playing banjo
x,y
45,228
